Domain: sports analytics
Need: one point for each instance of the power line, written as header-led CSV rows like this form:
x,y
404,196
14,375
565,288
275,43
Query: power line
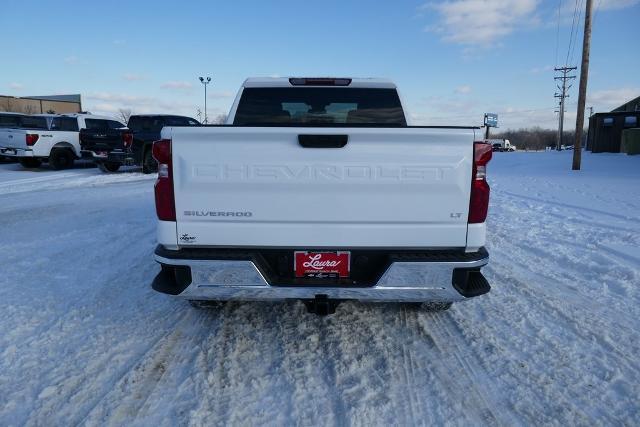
x,y
595,13
575,39
475,115
558,32
573,25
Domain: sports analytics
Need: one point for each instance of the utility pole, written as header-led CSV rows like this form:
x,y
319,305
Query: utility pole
x,y
205,82
582,90
562,95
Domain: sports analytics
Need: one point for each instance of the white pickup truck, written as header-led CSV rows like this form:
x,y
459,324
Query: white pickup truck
x,y
317,189
52,138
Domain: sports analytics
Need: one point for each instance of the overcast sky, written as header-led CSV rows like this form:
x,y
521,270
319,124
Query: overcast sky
x,y
452,60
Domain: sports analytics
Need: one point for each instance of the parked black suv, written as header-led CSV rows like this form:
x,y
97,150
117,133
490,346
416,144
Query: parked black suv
x,y
131,146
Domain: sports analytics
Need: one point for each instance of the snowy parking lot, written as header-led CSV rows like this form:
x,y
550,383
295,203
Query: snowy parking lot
x,y
85,340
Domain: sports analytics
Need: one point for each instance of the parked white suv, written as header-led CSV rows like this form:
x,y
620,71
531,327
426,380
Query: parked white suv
x,y
50,138
317,189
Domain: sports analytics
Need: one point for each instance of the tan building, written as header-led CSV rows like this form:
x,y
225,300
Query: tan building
x,y
59,104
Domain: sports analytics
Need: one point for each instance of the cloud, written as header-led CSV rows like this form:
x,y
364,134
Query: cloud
x,y
220,95
71,59
608,99
16,86
480,22
464,89
538,70
121,98
130,77
119,42
107,103
177,85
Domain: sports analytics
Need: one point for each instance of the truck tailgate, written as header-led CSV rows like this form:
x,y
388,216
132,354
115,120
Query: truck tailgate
x,y
101,139
13,138
257,186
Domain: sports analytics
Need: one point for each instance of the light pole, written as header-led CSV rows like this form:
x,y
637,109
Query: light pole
x,y
205,82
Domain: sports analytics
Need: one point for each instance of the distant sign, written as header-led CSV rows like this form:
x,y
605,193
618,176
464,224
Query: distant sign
x,y
491,120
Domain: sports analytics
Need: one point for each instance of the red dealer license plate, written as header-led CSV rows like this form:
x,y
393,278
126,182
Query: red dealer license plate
x,y
322,264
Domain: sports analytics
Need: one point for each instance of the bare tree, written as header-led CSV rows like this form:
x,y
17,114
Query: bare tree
x,y
534,138
199,114
124,114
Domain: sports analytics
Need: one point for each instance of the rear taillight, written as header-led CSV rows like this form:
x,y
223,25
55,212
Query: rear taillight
x,y
165,203
31,139
127,139
479,204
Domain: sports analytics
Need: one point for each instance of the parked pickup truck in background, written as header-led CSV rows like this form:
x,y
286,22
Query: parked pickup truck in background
x,y
52,138
317,189
112,148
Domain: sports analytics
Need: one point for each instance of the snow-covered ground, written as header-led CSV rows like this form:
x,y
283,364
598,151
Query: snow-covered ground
x,y
84,339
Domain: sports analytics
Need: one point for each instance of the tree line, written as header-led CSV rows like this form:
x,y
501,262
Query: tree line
x,y
535,138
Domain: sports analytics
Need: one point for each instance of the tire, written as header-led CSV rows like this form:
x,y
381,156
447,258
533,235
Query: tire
x,y
61,158
149,164
30,162
109,166
431,307
206,304
436,306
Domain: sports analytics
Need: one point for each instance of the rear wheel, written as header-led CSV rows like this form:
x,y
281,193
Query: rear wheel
x,y
149,164
61,158
109,166
30,162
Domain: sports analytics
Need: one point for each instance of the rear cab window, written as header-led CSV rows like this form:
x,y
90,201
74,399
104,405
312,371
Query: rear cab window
x,y
68,124
103,124
314,106
28,122
9,120
180,121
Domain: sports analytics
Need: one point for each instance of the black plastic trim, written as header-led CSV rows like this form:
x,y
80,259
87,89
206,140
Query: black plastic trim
x,y
323,141
172,280
470,282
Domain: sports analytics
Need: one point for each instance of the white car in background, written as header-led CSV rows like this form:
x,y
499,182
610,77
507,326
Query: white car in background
x,y
501,145
50,138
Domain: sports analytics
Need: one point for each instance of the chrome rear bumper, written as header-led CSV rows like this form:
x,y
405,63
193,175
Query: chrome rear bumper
x,y
401,282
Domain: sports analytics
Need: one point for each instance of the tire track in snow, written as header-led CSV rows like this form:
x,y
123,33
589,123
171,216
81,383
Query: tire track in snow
x,y
166,366
119,383
457,353
581,325
553,354
242,364
570,206
307,366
